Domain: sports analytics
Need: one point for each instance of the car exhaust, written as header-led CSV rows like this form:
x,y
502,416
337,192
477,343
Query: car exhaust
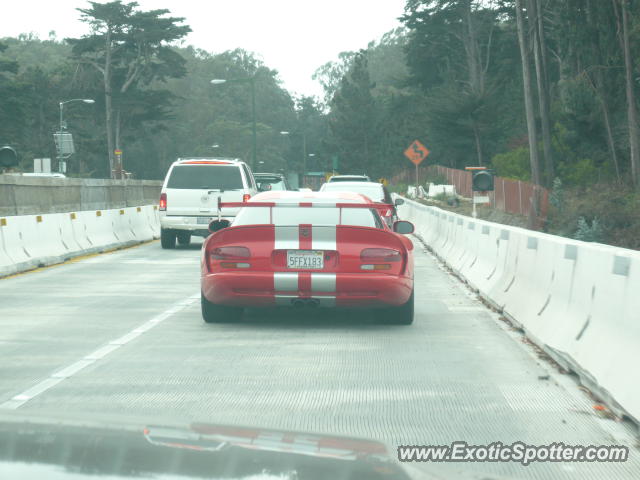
x,y
313,302
298,303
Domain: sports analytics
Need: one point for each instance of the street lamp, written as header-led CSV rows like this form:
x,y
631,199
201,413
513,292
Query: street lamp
x,y
252,83
62,104
311,155
61,165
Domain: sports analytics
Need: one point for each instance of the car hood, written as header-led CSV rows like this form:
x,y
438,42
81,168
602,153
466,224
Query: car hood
x,y
37,448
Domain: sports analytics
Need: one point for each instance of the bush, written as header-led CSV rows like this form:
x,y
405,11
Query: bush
x,y
603,212
580,172
399,188
589,233
513,164
556,196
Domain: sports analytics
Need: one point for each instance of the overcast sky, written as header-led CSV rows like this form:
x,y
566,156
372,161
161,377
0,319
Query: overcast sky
x,y
294,37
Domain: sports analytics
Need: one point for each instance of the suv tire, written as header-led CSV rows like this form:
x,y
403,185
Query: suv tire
x,y
167,238
184,238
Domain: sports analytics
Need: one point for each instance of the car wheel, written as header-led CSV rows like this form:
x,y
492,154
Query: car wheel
x,y
167,238
212,313
184,239
402,315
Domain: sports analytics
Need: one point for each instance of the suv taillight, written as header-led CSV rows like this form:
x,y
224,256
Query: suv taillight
x,y
163,201
246,197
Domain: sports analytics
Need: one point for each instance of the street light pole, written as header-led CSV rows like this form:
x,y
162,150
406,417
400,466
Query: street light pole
x,y
252,84
252,81
60,156
304,155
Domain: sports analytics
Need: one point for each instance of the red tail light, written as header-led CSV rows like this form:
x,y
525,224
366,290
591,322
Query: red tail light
x,y
230,253
163,201
246,197
369,255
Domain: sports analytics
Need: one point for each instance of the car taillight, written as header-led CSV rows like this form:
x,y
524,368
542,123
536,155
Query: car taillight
x,y
380,255
229,257
163,201
230,253
246,197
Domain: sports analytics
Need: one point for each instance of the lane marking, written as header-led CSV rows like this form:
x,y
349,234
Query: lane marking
x,y
74,368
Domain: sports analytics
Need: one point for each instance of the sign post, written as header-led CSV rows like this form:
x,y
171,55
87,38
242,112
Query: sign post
x,y
476,199
118,154
416,152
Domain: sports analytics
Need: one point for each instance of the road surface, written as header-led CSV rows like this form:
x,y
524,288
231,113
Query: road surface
x,y
119,335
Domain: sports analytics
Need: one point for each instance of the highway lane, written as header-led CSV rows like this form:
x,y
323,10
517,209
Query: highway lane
x,y
458,373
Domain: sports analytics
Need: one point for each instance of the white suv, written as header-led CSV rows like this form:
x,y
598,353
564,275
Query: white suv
x,y
189,197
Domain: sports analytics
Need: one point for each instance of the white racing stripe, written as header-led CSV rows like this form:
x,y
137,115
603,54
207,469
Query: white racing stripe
x,y
89,359
285,281
323,282
287,238
323,238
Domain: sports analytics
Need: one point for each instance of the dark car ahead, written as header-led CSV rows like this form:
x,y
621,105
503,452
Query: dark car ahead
x,y
271,182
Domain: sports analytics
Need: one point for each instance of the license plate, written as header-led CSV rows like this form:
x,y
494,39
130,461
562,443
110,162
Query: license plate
x,y
204,220
310,259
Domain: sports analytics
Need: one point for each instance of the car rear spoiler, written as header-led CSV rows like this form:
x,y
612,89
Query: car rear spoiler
x,y
222,204
302,204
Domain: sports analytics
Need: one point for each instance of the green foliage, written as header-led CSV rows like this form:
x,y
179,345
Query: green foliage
x,y
605,213
400,188
353,121
513,164
589,232
580,172
557,194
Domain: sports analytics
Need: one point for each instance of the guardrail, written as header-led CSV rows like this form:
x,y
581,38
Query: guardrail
x,y
31,241
578,301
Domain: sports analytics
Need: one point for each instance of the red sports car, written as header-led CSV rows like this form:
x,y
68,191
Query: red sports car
x,y
307,250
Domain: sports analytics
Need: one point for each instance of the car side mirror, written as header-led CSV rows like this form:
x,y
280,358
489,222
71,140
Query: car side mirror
x,y
216,225
403,227
398,202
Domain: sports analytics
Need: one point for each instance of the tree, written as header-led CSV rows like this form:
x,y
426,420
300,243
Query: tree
x,y
12,105
536,27
456,54
528,94
330,74
129,48
353,117
632,111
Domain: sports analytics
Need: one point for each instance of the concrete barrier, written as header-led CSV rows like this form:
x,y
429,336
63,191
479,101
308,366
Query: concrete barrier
x,y
21,195
579,301
15,233
7,265
30,241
